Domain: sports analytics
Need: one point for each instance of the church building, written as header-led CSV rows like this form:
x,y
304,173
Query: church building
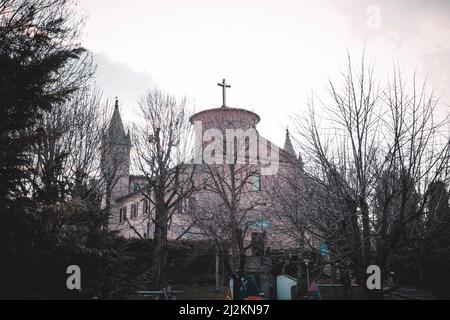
x,y
131,211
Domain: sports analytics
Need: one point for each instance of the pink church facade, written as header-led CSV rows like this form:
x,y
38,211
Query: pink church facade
x,y
131,211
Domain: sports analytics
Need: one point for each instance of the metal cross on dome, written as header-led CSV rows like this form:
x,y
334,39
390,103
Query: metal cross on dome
x,y
224,86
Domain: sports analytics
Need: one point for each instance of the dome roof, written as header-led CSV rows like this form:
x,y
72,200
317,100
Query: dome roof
x,y
226,117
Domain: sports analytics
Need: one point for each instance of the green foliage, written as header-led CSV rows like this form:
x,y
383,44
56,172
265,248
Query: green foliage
x,y
44,230
42,241
196,256
38,52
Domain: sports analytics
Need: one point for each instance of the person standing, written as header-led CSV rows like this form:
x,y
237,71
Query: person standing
x,y
314,290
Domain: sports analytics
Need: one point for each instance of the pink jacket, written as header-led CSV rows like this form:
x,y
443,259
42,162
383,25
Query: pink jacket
x,y
313,287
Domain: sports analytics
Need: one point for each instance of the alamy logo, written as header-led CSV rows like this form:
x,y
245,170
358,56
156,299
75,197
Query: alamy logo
x,y
235,146
74,280
374,280
374,20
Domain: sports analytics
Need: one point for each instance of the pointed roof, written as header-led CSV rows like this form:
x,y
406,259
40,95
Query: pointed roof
x,y
116,131
288,144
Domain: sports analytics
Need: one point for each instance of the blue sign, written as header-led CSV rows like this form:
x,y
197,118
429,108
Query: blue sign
x,y
324,250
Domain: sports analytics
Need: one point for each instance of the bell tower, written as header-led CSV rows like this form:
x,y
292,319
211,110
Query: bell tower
x,y
115,163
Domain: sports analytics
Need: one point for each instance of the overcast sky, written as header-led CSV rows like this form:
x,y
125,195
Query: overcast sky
x,y
273,53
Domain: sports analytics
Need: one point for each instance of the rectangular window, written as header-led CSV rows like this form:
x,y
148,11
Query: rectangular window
x,y
185,234
256,182
187,206
145,207
183,206
134,211
123,215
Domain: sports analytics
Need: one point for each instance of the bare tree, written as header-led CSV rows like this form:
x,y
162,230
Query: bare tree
x,y
161,141
65,157
417,158
230,211
346,152
373,156
230,207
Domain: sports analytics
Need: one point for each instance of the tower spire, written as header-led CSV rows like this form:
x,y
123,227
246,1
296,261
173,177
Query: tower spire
x,y
116,129
288,144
